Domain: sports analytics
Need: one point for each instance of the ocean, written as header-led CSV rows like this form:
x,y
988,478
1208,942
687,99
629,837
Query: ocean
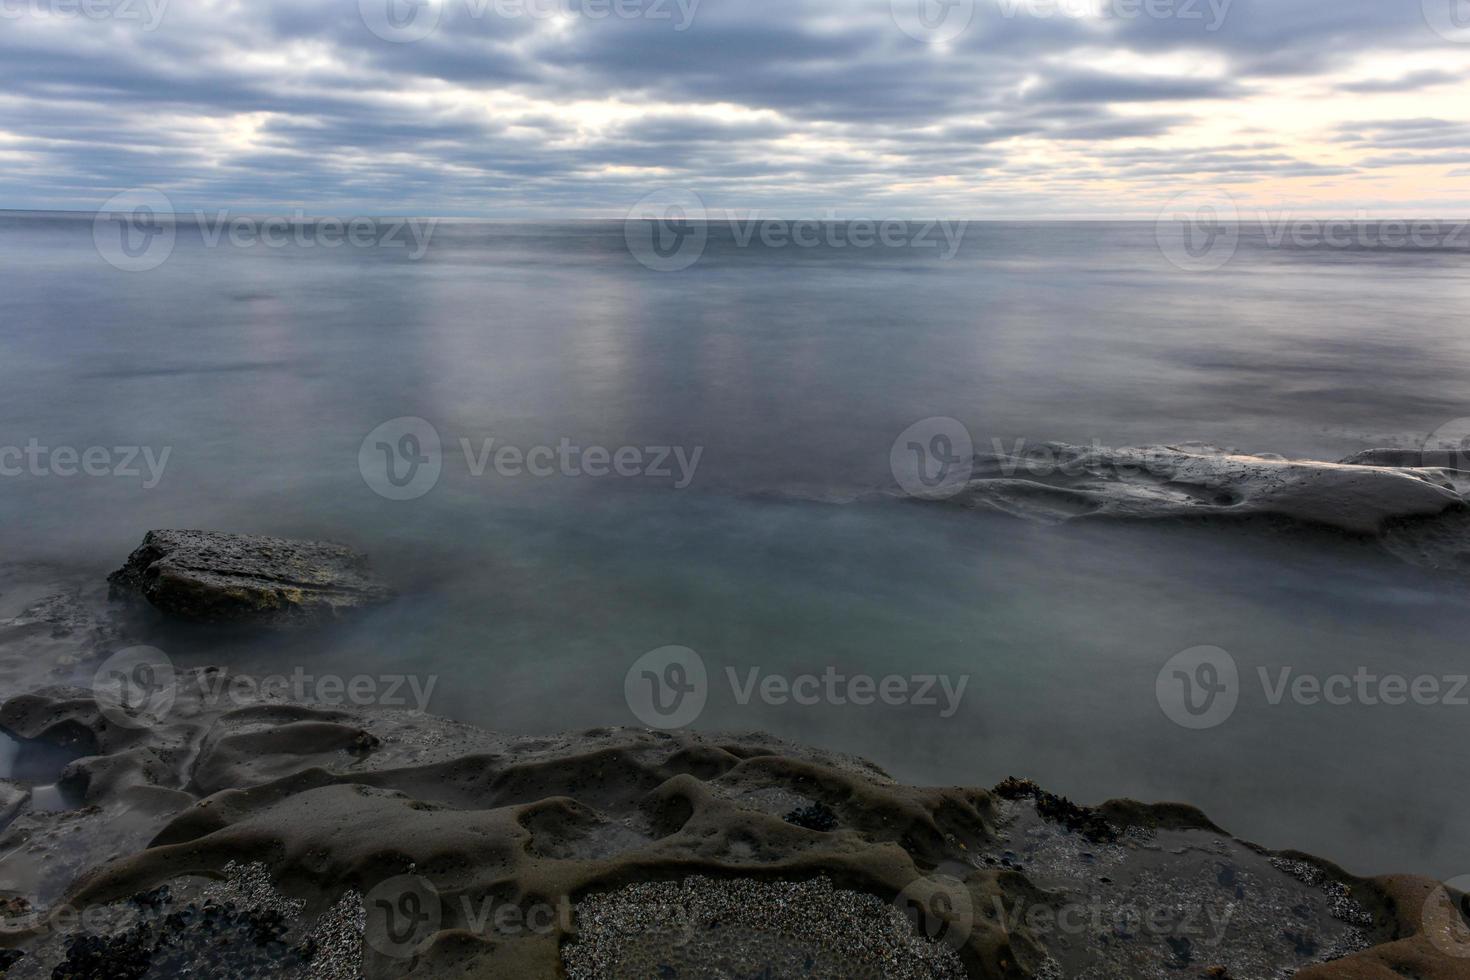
x,y
633,457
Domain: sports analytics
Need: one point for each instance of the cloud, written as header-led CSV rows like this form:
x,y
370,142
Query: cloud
x,y
1412,82
1419,135
1085,87
798,105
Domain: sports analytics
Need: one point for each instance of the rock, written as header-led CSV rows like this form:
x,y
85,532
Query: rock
x,y
208,577
1428,458
633,850
13,796
1057,482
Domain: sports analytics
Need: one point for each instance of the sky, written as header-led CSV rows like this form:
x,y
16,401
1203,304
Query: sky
x,y
1007,109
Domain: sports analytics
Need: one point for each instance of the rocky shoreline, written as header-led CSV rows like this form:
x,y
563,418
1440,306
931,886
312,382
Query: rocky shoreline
x,y
412,846
254,835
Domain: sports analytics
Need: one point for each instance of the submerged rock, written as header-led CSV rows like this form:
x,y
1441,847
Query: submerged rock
x,y
208,577
1057,482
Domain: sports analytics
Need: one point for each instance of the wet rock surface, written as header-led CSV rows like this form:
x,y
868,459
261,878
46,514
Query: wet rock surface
x,y
237,927
209,577
1058,482
54,626
1154,903
13,796
1414,505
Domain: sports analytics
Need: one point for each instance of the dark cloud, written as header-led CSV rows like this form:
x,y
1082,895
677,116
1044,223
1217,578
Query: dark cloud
x,y
1083,87
1412,82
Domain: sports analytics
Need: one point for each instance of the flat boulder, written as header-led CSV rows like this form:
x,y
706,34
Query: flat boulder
x,y
246,579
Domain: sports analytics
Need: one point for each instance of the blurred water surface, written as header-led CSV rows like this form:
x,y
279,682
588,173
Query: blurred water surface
x,y
263,369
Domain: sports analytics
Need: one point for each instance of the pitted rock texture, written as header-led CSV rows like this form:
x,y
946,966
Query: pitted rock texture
x,y
209,577
239,927
612,823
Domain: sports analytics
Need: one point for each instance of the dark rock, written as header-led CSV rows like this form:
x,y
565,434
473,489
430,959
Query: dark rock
x,y
818,817
207,577
1058,809
224,940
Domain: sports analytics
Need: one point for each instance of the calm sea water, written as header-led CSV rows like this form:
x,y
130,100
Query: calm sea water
x,y
262,370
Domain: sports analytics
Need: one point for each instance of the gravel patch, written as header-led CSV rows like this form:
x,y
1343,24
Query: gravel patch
x,y
708,929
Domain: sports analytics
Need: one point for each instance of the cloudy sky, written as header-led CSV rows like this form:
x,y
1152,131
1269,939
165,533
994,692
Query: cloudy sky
x,y
530,108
